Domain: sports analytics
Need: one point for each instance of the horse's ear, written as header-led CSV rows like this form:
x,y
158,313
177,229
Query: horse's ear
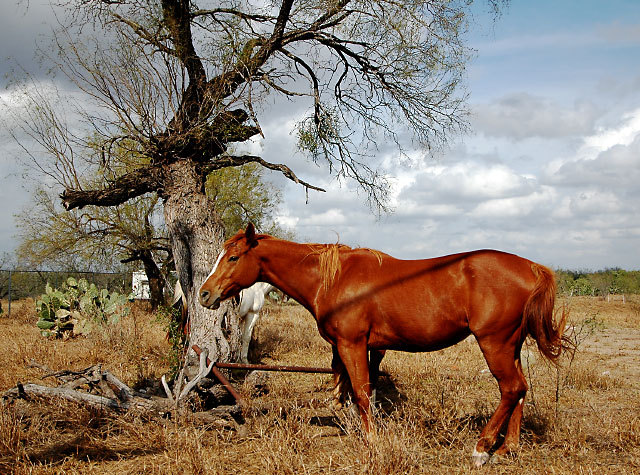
x,y
250,235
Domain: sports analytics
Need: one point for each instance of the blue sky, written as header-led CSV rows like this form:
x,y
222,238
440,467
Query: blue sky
x,y
550,170
556,48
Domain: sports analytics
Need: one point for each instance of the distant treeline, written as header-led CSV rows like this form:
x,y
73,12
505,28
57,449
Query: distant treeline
x,y
603,283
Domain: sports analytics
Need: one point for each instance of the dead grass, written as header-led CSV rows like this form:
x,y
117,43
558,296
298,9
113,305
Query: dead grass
x,y
582,418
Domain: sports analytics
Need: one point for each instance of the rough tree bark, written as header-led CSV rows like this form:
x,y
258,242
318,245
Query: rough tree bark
x,y
196,234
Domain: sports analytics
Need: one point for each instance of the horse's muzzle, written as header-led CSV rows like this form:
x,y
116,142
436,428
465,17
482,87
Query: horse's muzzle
x,y
207,299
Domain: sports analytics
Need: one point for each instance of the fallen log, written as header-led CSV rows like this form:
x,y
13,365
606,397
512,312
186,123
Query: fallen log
x,y
94,400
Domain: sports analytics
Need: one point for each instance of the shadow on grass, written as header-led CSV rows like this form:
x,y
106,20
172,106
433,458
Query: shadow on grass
x,y
388,400
84,447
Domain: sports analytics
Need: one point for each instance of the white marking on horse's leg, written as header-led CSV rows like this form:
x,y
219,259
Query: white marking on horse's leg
x,y
521,400
215,266
479,458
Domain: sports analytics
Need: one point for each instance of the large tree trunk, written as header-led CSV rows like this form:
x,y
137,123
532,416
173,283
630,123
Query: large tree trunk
x,y
197,236
155,278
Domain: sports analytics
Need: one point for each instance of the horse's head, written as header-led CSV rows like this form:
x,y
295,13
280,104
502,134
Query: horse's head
x,y
235,269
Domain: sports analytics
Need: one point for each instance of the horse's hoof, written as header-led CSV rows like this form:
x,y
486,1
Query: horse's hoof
x,y
479,458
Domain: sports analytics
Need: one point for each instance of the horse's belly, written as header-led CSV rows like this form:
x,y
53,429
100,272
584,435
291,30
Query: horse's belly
x,y
418,334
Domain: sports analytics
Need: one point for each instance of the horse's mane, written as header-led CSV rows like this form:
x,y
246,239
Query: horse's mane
x,y
329,260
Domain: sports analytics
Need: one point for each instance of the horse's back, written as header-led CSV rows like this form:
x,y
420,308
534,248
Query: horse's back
x,y
418,305
453,275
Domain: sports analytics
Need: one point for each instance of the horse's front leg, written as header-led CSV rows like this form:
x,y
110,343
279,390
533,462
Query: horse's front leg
x,y
342,385
355,360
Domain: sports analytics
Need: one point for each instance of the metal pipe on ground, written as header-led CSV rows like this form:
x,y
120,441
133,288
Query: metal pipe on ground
x,y
260,367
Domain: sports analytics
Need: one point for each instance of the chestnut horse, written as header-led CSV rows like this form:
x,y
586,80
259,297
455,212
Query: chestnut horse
x,y
367,300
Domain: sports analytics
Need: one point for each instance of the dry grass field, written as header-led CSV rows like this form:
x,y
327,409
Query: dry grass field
x,y
581,418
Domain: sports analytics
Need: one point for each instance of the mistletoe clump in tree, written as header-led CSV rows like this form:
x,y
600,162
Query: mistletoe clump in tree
x,y
178,83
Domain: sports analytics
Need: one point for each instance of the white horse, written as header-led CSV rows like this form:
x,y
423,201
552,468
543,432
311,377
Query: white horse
x,y
251,302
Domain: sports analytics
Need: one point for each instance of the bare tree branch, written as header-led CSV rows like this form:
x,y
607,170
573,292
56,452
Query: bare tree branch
x,y
130,185
234,161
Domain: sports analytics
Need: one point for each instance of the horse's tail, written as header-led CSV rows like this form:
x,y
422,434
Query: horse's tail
x,y
540,318
180,304
185,322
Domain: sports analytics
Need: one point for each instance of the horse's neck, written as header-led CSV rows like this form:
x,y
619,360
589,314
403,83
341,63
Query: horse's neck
x,y
292,268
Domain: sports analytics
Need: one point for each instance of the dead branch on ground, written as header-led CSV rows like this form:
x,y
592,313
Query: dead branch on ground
x,y
99,388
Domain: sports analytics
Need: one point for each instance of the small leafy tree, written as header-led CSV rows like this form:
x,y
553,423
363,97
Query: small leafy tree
x,y
95,238
625,282
601,282
241,195
582,286
564,280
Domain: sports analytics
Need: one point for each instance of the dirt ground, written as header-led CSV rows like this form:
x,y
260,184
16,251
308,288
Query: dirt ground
x,y
617,352
610,334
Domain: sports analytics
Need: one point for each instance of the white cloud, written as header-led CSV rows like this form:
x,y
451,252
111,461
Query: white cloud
x,y
522,115
463,184
594,202
286,221
331,217
605,139
521,206
610,157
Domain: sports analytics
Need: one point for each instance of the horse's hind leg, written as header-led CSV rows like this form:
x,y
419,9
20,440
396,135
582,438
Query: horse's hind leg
x,y
503,360
341,382
512,438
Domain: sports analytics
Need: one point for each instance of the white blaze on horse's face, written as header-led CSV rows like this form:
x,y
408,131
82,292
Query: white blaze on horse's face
x,y
215,266
205,296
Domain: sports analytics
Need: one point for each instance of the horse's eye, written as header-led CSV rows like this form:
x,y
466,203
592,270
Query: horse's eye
x,y
233,258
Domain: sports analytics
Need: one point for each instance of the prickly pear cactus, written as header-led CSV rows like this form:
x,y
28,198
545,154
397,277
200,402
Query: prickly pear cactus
x,y
78,308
